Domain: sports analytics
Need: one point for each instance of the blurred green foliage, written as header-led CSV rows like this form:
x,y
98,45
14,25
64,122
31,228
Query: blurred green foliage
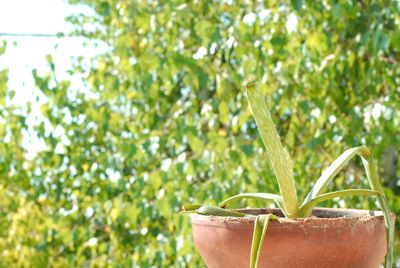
x,y
163,120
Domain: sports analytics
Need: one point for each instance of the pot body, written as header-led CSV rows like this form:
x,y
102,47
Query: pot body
x,y
330,238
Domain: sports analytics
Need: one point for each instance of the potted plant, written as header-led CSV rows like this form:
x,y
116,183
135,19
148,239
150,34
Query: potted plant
x,y
299,235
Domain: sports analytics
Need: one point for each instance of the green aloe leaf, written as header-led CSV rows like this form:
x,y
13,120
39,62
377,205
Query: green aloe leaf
x,y
188,207
211,211
372,175
307,208
280,159
331,172
263,196
260,229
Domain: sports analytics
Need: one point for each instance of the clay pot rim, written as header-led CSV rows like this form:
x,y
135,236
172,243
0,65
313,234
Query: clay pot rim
x,y
332,216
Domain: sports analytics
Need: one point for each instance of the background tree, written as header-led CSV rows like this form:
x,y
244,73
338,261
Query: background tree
x,y
163,119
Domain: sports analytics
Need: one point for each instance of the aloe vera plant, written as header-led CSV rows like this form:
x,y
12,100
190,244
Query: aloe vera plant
x,y
287,201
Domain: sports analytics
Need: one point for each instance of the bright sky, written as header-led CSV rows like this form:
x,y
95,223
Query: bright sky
x,y
25,53
39,16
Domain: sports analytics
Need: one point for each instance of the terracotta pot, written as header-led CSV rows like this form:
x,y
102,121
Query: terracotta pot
x,y
330,238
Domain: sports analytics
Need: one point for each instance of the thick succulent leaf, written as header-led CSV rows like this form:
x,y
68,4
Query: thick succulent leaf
x,y
260,229
278,156
331,172
263,196
373,181
211,211
305,210
188,207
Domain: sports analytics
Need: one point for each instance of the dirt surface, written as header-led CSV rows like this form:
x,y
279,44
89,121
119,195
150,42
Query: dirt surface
x,y
319,216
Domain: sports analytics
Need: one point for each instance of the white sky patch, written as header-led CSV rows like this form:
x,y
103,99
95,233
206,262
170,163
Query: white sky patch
x,y
239,171
92,241
388,113
39,16
160,237
332,119
270,51
25,53
201,52
264,15
74,208
89,212
249,19
132,60
166,164
377,110
278,67
113,175
179,242
292,22
154,144
213,48
275,18
185,92
316,112
181,158
59,149
231,41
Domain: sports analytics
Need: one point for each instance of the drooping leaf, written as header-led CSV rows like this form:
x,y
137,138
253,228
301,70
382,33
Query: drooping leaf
x,y
260,230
